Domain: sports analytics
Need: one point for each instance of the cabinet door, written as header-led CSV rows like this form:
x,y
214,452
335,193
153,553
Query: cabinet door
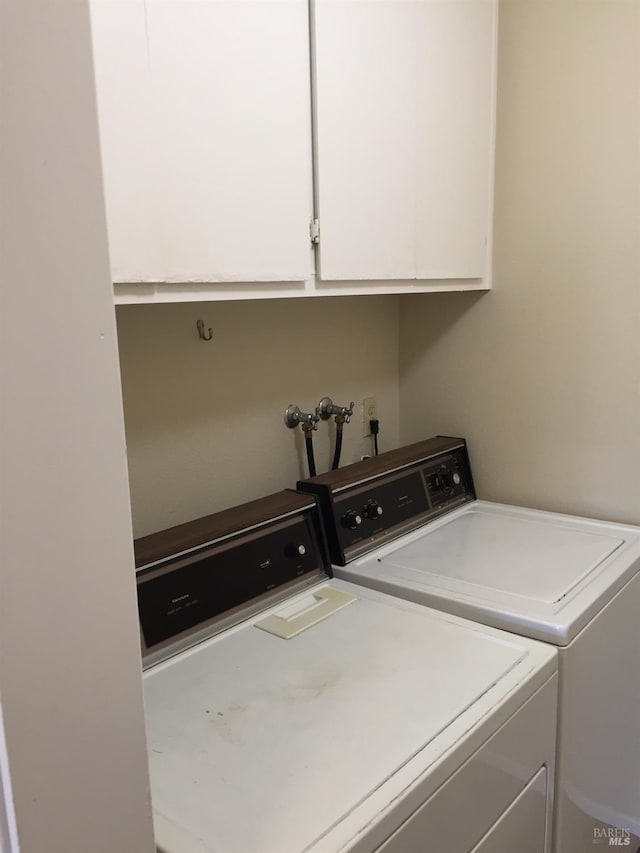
x,y
128,138
404,94
216,165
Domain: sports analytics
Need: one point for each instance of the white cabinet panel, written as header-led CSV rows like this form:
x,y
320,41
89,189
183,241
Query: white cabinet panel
x,y
500,800
404,93
522,827
219,95
131,156
366,119
455,119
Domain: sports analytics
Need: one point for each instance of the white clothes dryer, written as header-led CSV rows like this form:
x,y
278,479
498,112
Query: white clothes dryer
x,y
408,523
287,711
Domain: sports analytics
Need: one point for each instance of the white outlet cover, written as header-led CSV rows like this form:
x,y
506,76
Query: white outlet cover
x,y
369,411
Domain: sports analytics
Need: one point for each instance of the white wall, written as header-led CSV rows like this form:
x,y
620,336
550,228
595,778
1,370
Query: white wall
x,y
543,374
204,421
69,647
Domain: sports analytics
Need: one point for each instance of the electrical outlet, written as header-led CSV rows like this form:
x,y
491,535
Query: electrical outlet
x,y
369,413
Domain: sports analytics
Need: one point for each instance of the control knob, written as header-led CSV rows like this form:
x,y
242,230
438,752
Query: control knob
x,y
295,550
372,510
352,519
443,478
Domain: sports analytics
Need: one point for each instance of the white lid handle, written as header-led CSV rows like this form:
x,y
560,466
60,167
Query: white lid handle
x,y
308,612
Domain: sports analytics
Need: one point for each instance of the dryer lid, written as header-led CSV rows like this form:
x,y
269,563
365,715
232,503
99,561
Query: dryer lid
x,y
537,560
260,743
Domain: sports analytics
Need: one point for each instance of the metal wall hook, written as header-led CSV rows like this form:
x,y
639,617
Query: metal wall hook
x,y
200,327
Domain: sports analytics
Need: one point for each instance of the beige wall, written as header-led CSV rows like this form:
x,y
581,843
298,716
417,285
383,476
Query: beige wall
x,y
70,676
204,421
543,374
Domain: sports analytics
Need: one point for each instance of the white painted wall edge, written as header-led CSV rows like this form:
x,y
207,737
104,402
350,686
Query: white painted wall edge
x,y
8,827
70,669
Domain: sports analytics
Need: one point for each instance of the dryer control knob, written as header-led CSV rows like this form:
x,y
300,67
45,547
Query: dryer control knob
x,y
296,550
351,520
373,510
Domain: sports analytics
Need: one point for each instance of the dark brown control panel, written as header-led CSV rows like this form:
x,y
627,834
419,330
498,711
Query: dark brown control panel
x,y
200,577
374,501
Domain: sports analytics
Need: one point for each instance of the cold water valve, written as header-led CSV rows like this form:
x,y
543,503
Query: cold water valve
x,y
293,416
327,408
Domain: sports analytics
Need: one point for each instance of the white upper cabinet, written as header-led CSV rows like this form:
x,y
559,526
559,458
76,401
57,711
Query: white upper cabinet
x,y
404,118
205,110
206,139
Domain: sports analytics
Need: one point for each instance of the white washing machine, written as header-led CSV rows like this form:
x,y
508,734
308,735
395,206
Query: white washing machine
x,y
287,711
407,523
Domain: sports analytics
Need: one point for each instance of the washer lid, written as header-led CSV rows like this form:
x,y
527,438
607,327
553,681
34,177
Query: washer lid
x,y
261,744
537,560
